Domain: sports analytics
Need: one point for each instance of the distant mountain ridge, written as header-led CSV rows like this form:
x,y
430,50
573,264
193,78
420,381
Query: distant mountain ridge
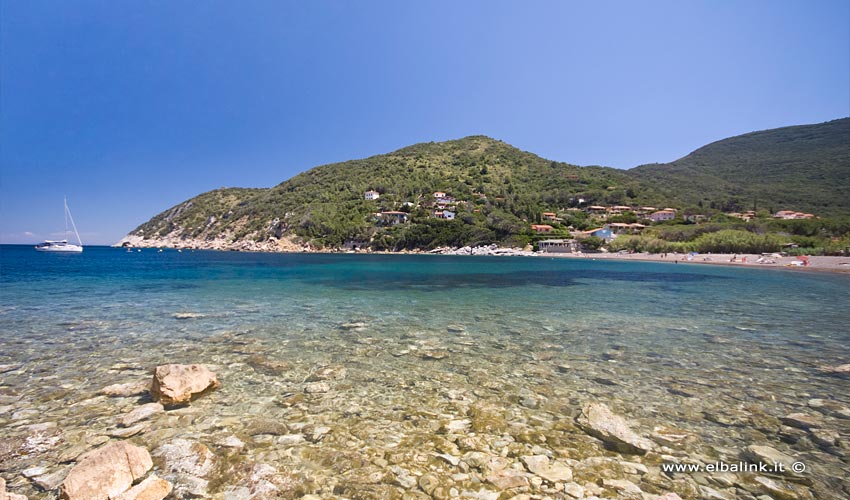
x,y
501,190
804,167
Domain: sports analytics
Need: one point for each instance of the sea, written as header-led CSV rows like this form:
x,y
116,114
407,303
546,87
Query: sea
x,y
391,376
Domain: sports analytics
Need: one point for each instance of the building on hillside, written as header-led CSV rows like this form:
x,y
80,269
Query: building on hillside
x,y
622,228
618,209
542,228
662,215
371,195
439,194
549,216
557,246
791,215
444,214
602,232
597,210
391,218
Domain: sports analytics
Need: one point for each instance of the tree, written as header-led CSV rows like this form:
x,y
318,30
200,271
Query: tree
x,y
592,243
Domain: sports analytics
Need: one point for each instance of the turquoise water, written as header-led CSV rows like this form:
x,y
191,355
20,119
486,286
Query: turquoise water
x,y
720,352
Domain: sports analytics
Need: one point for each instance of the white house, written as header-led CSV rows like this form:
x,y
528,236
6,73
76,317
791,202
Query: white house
x,y
662,215
372,195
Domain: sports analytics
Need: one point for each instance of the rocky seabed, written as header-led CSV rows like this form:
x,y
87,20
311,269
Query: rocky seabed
x,y
436,420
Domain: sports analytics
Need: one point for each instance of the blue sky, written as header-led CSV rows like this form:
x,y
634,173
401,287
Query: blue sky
x,y
131,107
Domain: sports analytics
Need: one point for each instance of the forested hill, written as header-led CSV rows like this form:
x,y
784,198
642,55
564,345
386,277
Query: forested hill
x,y
805,168
499,190
499,187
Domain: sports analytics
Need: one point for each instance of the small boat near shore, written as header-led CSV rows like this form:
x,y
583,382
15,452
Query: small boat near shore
x,y
62,246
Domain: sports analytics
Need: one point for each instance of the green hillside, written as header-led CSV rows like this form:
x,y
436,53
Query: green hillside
x,y
326,206
804,168
499,191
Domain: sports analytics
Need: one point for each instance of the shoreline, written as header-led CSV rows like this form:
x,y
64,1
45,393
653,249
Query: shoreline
x,y
828,263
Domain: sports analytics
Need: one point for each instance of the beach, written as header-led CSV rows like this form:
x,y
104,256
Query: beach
x,y
815,263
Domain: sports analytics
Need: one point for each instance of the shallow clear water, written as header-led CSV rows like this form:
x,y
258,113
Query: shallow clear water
x,y
720,352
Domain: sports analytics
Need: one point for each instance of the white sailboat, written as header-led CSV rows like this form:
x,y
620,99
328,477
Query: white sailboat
x,y
63,245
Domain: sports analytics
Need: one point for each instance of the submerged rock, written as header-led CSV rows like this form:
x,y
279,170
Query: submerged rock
x,y
622,486
672,436
175,384
317,388
50,480
152,488
106,473
5,495
141,413
333,372
508,479
187,315
552,472
801,421
771,457
780,490
187,464
599,421
839,370
268,366
433,354
830,407
126,390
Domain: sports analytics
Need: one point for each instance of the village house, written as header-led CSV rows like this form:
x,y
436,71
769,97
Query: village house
x,y
439,194
602,232
747,216
623,228
371,195
542,228
618,209
558,246
597,210
444,214
549,216
662,215
791,215
391,218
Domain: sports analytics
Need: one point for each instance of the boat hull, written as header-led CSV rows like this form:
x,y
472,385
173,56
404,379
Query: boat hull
x,y
61,249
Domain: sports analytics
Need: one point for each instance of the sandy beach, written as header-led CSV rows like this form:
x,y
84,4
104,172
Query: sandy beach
x,y
815,263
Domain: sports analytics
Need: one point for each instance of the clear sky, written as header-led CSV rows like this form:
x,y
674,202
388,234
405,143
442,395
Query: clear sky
x,y
131,107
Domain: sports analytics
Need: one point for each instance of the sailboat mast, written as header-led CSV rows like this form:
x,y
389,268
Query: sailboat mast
x,y
67,217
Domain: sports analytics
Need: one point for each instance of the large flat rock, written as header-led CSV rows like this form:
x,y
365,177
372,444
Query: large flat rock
x,y
176,384
106,473
599,421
